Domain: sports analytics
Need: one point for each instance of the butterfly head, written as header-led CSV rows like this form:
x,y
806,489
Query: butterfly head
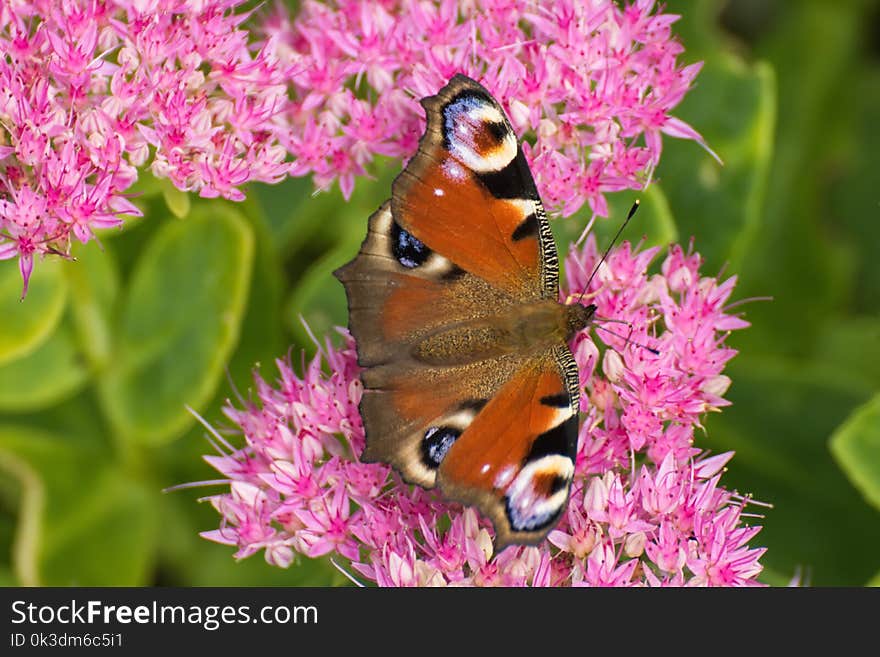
x,y
577,318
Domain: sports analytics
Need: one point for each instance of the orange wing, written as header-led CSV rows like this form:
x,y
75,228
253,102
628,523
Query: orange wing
x,y
468,194
515,460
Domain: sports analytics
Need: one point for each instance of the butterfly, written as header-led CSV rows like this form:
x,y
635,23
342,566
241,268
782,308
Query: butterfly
x,y
453,300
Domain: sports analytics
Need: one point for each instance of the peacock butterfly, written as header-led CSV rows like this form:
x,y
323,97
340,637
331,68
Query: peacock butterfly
x,y
453,301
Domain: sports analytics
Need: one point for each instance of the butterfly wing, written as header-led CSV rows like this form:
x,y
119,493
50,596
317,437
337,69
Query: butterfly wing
x,y
392,307
515,461
469,192
399,290
463,239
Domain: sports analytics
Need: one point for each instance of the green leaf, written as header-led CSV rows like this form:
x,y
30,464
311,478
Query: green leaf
x,y
179,323
262,329
54,371
31,506
7,577
27,323
289,224
108,539
783,412
799,258
853,200
319,298
771,577
852,345
300,218
94,290
324,223
655,225
80,521
733,106
653,221
856,446
178,202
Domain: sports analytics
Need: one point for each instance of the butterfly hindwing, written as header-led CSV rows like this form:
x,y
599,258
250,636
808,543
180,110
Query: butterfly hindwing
x,y
516,460
413,413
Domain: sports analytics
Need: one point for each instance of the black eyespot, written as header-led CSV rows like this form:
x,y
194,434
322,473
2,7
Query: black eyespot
x,y
525,521
498,130
436,443
408,251
559,483
464,102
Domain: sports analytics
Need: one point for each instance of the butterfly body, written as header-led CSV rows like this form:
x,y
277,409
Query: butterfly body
x,y
524,329
453,301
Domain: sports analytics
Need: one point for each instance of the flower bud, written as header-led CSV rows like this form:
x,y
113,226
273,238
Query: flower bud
x,y
612,366
634,545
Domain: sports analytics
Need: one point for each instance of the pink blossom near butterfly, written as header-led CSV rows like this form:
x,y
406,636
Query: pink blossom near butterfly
x,y
593,84
212,96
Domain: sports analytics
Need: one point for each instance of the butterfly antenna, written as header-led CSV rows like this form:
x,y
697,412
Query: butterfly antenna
x,y
632,211
627,339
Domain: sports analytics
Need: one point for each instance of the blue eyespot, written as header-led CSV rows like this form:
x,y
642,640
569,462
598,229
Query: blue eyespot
x,y
408,251
436,443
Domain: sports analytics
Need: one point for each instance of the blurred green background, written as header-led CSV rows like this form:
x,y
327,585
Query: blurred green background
x,y
97,363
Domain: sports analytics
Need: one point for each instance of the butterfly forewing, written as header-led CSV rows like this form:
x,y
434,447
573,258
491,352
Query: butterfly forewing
x,y
468,192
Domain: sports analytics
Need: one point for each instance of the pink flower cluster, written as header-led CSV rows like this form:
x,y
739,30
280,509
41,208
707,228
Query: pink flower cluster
x,y
93,90
646,508
590,83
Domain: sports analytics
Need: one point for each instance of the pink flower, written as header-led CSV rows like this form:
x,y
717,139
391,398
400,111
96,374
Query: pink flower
x,y
646,506
92,92
603,569
593,82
